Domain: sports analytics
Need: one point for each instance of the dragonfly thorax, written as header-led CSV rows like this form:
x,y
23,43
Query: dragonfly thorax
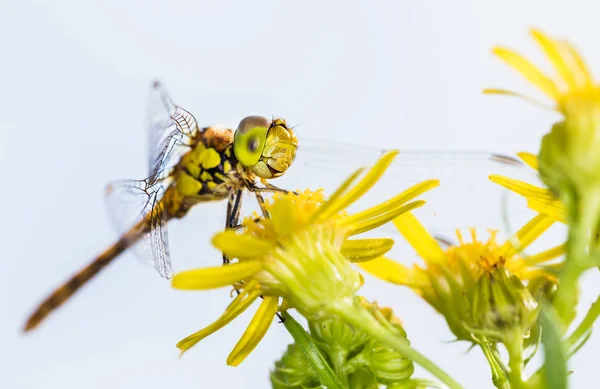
x,y
207,171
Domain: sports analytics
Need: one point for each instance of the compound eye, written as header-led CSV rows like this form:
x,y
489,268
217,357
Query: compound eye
x,y
250,122
253,144
250,139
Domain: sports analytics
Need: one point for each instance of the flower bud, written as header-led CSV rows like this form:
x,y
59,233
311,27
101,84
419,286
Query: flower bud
x,y
333,335
293,371
570,153
354,356
362,379
502,306
387,365
342,342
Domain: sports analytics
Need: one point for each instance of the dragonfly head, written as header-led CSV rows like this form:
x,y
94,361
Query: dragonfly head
x,y
266,147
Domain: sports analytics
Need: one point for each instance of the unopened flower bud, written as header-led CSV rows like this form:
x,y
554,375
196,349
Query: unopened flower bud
x,y
357,358
570,153
333,335
362,379
502,306
387,365
293,371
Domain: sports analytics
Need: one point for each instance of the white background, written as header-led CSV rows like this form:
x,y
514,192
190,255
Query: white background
x,y
74,77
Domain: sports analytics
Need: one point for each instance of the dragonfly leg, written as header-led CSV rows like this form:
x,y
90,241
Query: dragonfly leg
x,y
281,318
268,188
272,188
258,191
261,203
234,206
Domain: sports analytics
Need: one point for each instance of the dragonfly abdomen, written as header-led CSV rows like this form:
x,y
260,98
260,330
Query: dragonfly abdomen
x,y
68,289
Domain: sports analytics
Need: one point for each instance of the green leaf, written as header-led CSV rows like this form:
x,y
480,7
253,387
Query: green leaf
x,y
312,353
555,357
584,329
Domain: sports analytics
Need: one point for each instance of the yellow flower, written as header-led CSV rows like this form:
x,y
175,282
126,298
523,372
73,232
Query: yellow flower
x,y
570,86
569,156
448,278
541,200
302,253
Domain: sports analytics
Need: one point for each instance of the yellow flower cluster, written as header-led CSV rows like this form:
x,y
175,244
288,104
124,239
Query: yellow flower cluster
x,y
301,253
301,256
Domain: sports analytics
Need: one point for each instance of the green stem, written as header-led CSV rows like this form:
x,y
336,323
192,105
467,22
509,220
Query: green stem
x,y
361,319
312,353
515,362
582,221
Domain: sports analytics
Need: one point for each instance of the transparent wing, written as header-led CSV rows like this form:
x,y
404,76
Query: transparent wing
x,y
465,197
128,202
170,128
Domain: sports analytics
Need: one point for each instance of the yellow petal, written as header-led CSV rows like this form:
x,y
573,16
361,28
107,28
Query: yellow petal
x,y
530,159
545,256
255,332
392,271
585,78
527,234
555,55
367,225
394,202
552,208
215,277
361,250
522,188
237,306
283,216
531,100
237,245
333,199
529,71
530,274
368,180
418,237
538,199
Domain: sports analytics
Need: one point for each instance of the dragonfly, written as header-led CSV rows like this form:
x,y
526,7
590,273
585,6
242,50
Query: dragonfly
x,y
190,165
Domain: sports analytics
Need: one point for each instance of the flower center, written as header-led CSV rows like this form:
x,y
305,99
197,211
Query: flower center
x,y
488,264
480,257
